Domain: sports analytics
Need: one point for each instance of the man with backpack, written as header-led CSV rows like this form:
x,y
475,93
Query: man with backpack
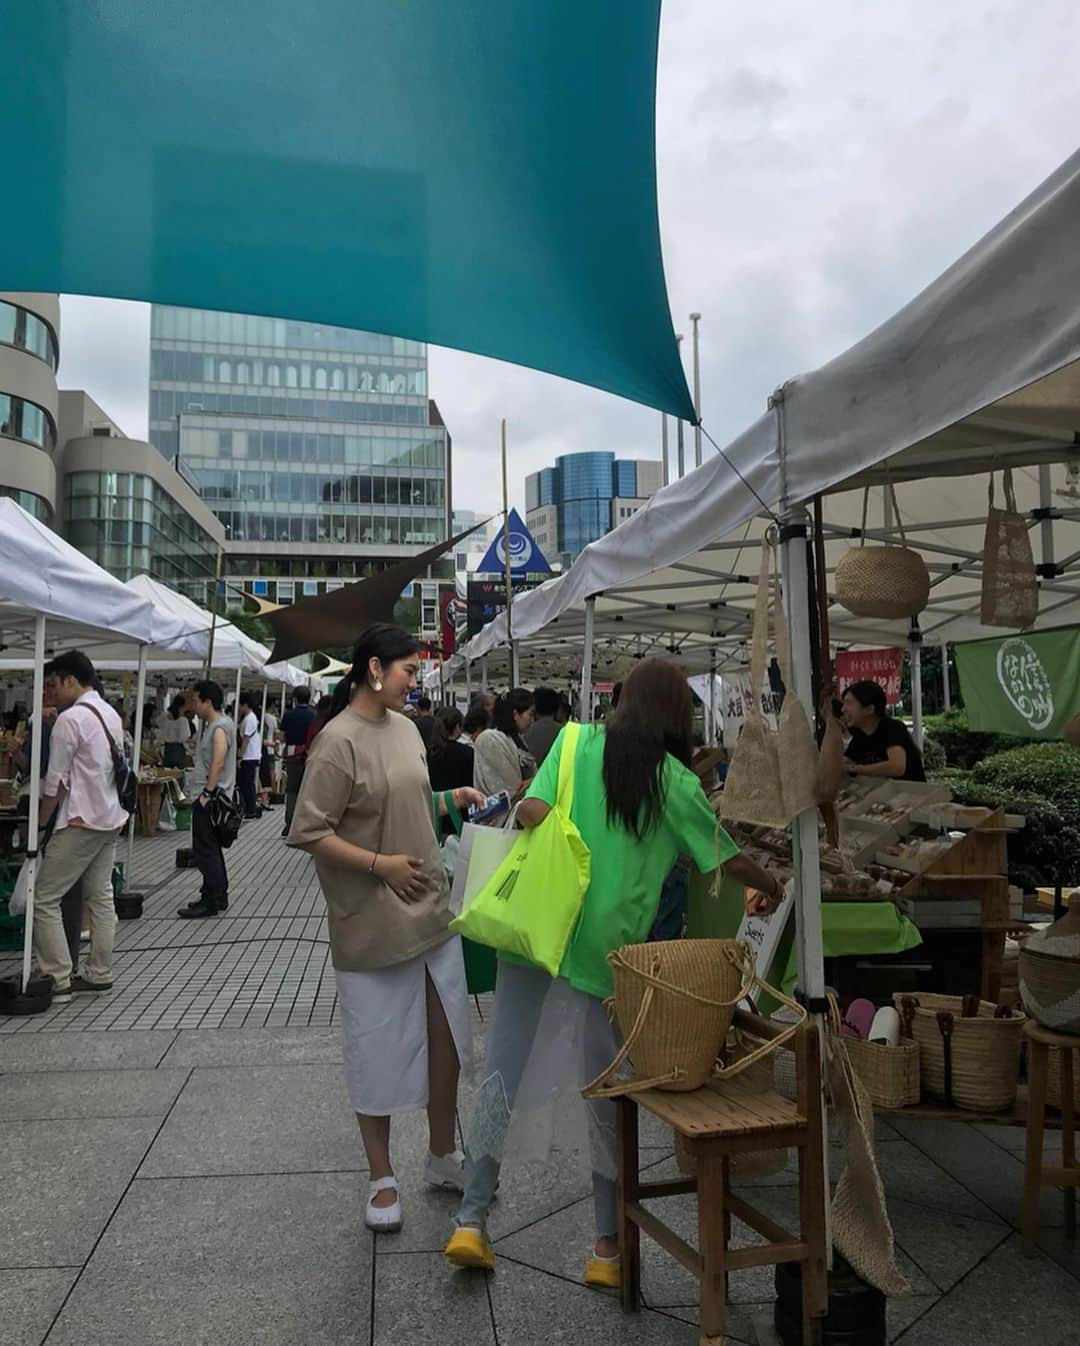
x,y
213,780
82,789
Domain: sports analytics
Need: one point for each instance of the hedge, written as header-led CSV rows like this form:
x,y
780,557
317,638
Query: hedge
x,y
1040,781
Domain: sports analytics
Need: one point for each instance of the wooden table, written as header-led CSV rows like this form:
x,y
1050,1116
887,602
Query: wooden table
x,y
148,809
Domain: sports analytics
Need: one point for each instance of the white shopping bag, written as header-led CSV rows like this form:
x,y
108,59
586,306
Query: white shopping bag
x,y
482,851
17,900
167,817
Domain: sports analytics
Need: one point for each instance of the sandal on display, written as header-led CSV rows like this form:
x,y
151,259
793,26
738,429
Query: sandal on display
x,y
604,1273
469,1247
383,1219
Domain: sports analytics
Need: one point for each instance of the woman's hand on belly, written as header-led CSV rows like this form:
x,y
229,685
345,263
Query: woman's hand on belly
x,y
403,874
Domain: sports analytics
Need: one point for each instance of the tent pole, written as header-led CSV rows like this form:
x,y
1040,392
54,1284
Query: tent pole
x,y
804,830
1046,526
282,699
712,698
586,661
468,680
515,664
664,448
484,686
140,697
35,795
915,646
236,695
946,685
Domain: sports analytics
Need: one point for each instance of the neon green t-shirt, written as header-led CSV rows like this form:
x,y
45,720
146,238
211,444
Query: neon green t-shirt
x,y
627,874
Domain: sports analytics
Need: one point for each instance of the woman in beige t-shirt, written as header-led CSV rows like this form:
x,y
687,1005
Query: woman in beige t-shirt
x,y
366,813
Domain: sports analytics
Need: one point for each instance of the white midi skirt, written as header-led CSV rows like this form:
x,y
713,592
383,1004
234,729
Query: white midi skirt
x,y
384,1021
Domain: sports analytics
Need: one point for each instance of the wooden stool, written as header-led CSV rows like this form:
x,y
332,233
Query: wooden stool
x,y
1036,1175
718,1121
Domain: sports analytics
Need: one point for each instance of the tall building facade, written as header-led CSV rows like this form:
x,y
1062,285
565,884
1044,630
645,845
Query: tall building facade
x,y
29,355
65,461
317,447
583,496
126,508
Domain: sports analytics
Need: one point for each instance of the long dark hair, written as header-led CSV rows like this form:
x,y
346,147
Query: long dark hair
x,y
519,699
654,717
381,641
442,731
176,707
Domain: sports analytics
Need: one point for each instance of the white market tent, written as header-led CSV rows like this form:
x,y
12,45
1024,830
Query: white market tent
x,y
978,372
47,588
232,648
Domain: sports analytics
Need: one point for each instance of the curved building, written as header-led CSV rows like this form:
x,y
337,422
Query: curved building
x,y
29,355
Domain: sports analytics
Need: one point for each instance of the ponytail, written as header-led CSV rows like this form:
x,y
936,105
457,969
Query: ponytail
x,y
381,641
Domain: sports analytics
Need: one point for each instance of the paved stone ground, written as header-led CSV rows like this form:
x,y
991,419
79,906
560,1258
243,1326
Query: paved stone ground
x,y
180,1165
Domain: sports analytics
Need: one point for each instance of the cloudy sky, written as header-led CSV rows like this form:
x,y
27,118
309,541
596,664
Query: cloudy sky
x,y
818,165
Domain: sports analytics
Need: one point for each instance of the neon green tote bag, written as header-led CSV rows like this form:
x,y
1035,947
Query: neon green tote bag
x,y
531,904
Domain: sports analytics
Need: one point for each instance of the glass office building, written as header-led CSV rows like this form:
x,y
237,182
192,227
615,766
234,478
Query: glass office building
x,y
130,525
591,492
316,446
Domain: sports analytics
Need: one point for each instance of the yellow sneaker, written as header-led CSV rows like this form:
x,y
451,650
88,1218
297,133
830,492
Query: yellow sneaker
x,y
469,1247
604,1273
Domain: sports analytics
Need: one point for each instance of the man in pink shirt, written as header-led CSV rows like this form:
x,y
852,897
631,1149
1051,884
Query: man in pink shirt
x,y
80,790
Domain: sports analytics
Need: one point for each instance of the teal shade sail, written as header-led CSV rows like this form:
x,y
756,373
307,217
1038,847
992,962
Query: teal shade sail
x,y
478,174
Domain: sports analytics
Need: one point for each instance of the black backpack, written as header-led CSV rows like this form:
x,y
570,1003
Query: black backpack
x,y
124,774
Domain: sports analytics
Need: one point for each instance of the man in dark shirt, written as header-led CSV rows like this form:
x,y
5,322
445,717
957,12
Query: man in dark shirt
x,y
544,730
425,721
879,745
295,724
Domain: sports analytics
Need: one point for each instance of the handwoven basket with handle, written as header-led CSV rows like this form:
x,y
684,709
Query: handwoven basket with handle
x,y
969,1049
884,582
674,1001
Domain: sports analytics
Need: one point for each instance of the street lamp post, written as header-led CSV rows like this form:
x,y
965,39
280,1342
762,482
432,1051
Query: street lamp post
x,y
695,318
680,448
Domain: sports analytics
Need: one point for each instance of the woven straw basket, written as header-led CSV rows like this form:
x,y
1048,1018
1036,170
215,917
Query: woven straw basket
x,y
970,1060
674,1002
890,1075
1053,1079
1050,989
1049,968
886,582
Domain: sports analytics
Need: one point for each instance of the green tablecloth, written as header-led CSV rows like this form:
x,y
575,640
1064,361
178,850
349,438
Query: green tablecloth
x,y
846,927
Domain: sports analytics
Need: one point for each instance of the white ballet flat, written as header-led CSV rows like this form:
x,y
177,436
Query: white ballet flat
x,y
383,1219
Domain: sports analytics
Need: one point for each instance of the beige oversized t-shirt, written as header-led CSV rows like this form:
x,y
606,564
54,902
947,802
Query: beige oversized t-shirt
x,y
366,781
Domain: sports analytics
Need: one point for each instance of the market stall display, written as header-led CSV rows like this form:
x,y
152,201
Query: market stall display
x,y
153,782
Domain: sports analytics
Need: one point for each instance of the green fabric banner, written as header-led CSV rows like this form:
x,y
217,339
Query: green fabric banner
x,y
1028,685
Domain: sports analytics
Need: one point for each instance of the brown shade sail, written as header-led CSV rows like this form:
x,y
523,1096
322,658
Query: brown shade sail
x,y
338,618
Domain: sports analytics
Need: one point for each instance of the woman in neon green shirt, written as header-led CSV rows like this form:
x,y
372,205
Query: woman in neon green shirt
x,y
637,806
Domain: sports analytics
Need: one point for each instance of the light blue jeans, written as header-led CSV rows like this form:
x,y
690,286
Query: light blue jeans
x,y
519,1000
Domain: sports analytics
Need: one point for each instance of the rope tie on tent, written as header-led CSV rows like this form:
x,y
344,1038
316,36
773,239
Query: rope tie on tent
x,y
734,469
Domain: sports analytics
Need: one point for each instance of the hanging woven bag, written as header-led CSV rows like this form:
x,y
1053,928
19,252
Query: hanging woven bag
x,y
885,582
1010,587
756,789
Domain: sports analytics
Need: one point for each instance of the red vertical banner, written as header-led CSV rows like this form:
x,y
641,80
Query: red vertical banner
x,y
881,666
448,619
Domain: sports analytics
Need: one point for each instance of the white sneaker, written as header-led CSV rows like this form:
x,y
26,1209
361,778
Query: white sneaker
x,y
383,1219
445,1171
